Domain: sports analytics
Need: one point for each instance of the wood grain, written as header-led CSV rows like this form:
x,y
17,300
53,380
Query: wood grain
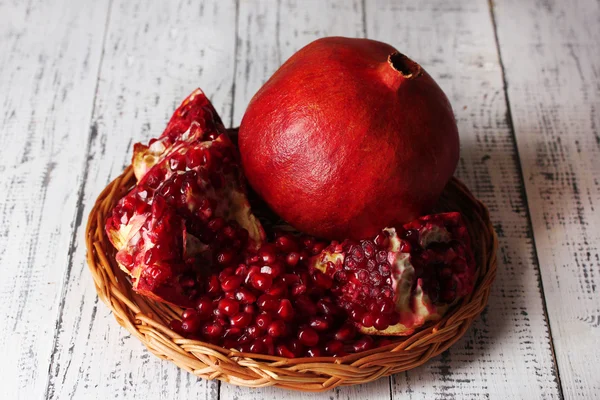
x,y
44,115
269,32
155,54
507,352
550,53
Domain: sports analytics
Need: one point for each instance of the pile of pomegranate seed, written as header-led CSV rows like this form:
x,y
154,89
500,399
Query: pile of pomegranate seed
x,y
272,303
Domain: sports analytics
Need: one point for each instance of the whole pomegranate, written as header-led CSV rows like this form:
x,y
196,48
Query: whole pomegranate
x,y
347,137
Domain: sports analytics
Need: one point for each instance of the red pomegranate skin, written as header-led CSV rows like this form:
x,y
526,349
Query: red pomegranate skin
x,y
349,136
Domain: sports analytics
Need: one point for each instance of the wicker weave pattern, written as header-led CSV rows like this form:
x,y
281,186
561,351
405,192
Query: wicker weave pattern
x,y
148,320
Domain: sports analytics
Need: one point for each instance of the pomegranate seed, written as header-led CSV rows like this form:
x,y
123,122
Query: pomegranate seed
x,y
233,332
285,311
278,290
290,279
245,296
384,269
216,224
268,342
261,281
298,290
317,248
381,256
314,352
267,254
363,344
225,273
225,257
263,320
275,269
319,323
249,308
357,253
286,244
258,347
295,347
204,307
368,320
345,333
230,295
267,303
308,337
277,329
229,307
231,283
327,307
244,348
308,242
253,331
241,320
368,248
189,313
292,259
303,256
213,287
357,313
212,329
283,351
334,347
386,306
175,325
381,322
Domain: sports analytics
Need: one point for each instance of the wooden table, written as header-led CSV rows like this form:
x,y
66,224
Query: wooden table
x,y
81,81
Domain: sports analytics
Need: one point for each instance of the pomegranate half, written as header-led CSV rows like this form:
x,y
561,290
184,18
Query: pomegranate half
x,y
347,137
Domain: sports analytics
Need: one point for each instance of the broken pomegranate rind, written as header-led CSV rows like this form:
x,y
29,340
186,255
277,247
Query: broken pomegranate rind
x,y
195,180
432,267
195,109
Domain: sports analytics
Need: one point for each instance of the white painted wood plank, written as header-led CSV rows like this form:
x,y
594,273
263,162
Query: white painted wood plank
x,y
550,50
507,352
269,32
155,54
44,117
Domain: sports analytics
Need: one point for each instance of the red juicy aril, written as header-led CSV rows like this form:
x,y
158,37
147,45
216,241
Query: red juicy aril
x,y
188,213
347,137
401,279
290,313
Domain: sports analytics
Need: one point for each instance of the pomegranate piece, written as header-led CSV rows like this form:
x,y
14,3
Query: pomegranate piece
x,y
197,109
188,212
403,278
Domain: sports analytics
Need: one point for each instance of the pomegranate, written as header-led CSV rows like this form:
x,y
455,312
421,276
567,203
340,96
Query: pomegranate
x,y
188,212
186,235
401,279
347,137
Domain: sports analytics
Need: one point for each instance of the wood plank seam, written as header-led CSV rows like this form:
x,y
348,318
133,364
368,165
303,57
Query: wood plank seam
x,y
79,210
511,128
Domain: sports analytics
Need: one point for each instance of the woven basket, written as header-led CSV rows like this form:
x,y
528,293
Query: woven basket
x,y
148,320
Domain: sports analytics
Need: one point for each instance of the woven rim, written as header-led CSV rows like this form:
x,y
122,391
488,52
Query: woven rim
x,y
148,320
